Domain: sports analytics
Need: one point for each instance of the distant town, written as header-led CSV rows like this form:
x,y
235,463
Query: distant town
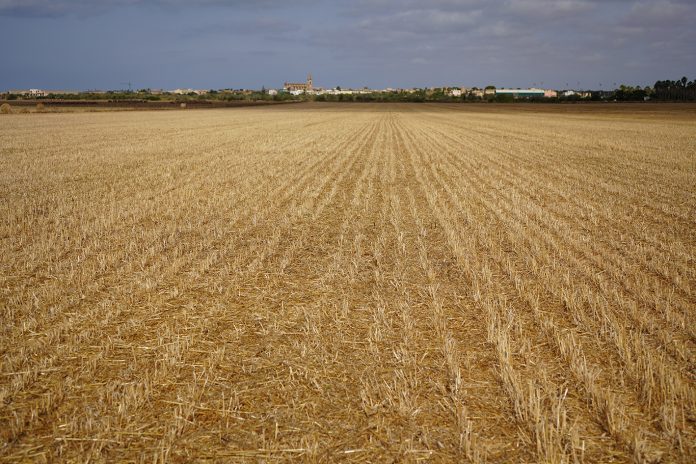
x,y
680,89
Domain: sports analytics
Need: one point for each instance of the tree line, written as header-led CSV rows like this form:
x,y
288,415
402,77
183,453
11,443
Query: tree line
x,y
681,89
665,90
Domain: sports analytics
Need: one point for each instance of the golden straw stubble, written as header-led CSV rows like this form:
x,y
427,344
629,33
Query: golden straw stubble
x,y
349,282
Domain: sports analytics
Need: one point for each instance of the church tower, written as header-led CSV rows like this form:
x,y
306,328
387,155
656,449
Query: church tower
x,y
310,86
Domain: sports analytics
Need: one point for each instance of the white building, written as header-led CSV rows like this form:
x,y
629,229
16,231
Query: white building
x,y
338,91
188,91
30,93
577,93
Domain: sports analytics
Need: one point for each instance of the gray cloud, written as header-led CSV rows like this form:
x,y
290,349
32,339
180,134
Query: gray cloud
x,y
272,28
660,14
423,21
375,42
549,8
586,40
57,8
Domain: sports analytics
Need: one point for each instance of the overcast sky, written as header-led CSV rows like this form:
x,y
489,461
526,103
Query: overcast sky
x,y
86,44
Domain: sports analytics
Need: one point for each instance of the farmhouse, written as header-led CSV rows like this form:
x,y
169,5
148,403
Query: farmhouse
x,y
30,93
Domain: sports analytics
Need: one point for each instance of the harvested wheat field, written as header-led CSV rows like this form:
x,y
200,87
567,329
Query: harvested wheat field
x,y
356,283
